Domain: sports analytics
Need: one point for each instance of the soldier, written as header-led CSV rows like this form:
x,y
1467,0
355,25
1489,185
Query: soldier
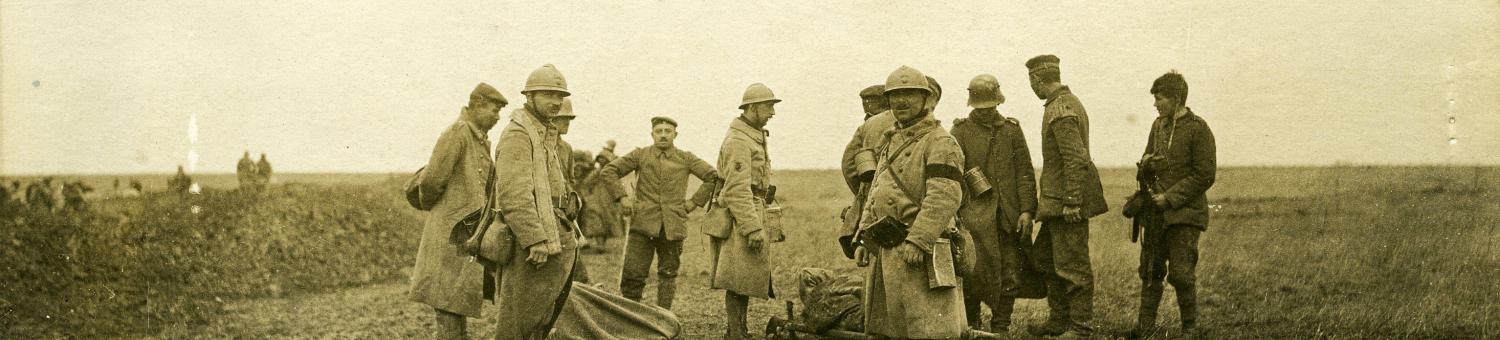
x,y
600,210
6,192
572,203
1001,203
1178,165
245,171
873,98
263,170
608,153
528,190
179,183
907,220
1070,194
39,194
457,175
72,193
660,217
741,258
859,159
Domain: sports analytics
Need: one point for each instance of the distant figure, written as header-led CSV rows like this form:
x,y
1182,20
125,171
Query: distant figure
x,y
116,189
5,196
72,193
39,194
608,153
602,217
180,183
263,170
136,189
246,172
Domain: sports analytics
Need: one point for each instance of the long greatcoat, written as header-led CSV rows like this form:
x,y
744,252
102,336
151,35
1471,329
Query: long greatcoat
x,y
528,169
917,182
746,170
996,146
460,167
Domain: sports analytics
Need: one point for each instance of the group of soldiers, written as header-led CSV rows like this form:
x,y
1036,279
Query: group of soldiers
x,y
45,195
942,220
252,175
920,190
525,212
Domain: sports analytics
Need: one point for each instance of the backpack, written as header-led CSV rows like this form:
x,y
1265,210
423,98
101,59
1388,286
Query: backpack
x,y
415,197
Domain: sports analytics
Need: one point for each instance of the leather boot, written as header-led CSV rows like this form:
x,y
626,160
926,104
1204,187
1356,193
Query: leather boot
x,y
972,312
666,291
735,306
1187,306
1145,323
1000,315
450,326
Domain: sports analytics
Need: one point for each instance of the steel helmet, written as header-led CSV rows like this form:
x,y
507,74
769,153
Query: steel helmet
x,y
567,109
984,92
546,78
757,93
907,78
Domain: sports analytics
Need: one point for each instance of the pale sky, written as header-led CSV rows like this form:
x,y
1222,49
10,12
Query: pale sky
x,y
346,86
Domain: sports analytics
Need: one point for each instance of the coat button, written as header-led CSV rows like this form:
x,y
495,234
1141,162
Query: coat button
x,y
891,201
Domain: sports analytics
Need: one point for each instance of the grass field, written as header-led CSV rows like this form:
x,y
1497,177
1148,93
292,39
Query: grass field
x,y
1348,252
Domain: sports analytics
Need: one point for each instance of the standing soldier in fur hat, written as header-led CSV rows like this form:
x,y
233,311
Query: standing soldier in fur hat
x,y
1001,203
455,184
1179,166
1070,194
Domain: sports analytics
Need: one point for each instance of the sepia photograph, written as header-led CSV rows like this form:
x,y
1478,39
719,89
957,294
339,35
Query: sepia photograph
x,y
773,169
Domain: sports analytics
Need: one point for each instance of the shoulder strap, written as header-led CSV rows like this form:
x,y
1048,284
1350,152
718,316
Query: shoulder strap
x,y
885,168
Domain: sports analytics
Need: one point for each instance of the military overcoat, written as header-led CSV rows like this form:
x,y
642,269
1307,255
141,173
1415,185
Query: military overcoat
x,y
746,171
460,167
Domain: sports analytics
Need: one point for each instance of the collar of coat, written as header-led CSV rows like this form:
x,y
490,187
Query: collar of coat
x,y
668,153
467,120
1186,113
986,116
1061,90
529,120
755,134
927,124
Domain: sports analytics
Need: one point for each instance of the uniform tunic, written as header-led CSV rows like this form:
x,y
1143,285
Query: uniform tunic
x,y
661,186
917,182
660,216
460,167
1169,250
1069,178
746,171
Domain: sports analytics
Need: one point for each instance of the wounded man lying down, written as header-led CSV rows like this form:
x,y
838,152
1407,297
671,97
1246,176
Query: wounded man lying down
x,y
831,301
